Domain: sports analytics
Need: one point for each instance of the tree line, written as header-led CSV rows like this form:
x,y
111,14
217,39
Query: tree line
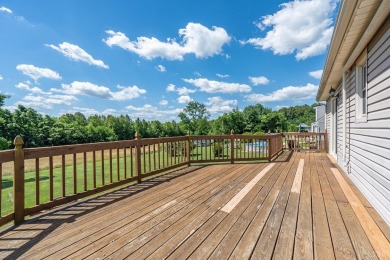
x,y
40,130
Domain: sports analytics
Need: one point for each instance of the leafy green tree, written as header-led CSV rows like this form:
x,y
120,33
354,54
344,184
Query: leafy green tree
x,y
252,116
194,118
274,121
2,99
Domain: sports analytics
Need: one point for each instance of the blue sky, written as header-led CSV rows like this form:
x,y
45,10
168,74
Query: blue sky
x,y
149,58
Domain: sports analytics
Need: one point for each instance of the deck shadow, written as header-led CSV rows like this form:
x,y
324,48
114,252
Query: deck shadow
x,y
69,213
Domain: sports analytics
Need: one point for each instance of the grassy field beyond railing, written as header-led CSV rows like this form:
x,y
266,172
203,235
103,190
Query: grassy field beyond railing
x,y
34,179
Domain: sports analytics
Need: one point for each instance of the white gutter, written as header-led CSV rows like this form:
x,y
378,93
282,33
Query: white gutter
x,y
379,17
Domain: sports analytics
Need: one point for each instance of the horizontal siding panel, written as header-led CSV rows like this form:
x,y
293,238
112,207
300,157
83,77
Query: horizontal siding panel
x,y
377,142
378,70
380,95
384,124
376,203
382,133
362,142
383,50
380,42
378,184
375,85
382,114
377,163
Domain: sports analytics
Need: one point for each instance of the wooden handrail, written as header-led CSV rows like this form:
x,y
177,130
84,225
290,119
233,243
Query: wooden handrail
x,y
85,169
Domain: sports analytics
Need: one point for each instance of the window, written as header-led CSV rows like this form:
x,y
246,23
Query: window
x,y
361,92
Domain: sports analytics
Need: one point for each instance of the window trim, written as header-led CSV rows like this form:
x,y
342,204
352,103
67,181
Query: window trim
x,y
361,90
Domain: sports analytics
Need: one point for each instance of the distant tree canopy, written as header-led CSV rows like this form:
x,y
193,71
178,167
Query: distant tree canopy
x,y
44,130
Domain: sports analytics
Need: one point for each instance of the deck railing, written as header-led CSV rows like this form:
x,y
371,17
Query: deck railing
x,y
305,141
34,179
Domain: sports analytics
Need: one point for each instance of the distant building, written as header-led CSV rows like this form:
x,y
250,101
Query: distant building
x,y
302,127
318,126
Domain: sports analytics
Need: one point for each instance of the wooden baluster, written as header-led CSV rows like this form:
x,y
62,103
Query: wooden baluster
x,y
94,168
138,157
51,183
85,171
118,177
125,162
37,195
74,174
110,155
102,155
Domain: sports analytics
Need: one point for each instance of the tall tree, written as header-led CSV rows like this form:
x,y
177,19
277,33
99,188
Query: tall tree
x,y
194,118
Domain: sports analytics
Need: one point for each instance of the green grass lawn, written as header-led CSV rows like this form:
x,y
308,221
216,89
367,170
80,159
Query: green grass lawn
x,y
155,158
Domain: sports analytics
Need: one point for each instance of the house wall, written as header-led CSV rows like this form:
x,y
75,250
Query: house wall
x,y
367,160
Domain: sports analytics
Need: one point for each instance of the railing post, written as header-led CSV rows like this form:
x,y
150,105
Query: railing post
x,y
188,150
232,146
18,180
138,157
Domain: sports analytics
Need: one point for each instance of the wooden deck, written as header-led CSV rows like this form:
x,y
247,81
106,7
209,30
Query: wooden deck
x,y
300,206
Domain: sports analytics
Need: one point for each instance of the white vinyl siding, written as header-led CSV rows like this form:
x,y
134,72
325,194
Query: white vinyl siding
x,y
368,142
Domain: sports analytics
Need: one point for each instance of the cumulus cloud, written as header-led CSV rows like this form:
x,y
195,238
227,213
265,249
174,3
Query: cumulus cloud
x,y
181,91
46,101
195,39
317,74
149,112
219,105
161,68
1,77
259,80
287,93
212,86
36,73
300,27
222,75
27,86
184,99
76,53
5,10
109,111
90,89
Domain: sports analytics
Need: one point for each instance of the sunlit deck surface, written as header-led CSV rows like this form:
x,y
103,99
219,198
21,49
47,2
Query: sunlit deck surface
x,y
297,207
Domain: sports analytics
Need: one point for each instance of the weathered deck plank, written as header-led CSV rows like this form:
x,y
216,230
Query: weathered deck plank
x,y
298,209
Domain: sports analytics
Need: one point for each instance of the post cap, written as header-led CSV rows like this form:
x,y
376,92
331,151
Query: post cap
x,y
18,140
232,132
188,132
136,135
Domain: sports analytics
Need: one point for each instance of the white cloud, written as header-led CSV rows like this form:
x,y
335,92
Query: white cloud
x,y
161,68
184,99
46,101
303,27
90,89
84,110
280,107
317,74
287,93
222,75
1,77
5,9
76,53
27,86
181,91
196,73
109,111
149,112
259,80
37,73
196,39
163,103
219,105
212,86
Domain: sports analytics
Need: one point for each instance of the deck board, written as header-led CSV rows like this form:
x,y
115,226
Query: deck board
x,y
298,209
